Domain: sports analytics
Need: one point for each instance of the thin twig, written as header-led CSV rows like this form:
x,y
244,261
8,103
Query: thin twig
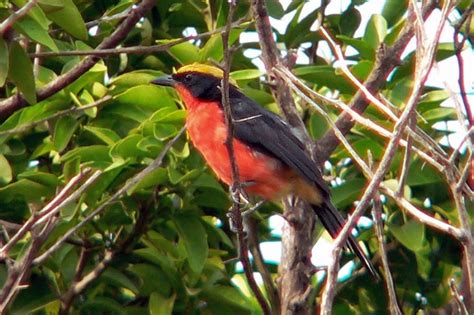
x,y
458,46
142,50
392,295
65,112
17,101
387,59
236,189
400,200
128,185
18,272
406,159
458,298
301,89
15,16
65,196
295,268
254,244
425,57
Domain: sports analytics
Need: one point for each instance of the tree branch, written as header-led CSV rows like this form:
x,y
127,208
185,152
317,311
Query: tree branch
x,y
235,213
425,57
295,267
15,16
16,102
65,112
128,185
387,59
64,197
141,50
393,307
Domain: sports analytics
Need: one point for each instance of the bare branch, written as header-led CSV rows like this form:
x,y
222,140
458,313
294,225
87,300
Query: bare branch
x,y
254,245
16,102
425,54
235,213
458,46
392,295
295,268
65,112
141,50
400,200
64,197
386,61
461,307
15,16
303,90
128,185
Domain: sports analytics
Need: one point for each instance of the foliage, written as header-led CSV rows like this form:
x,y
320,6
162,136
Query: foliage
x,y
178,261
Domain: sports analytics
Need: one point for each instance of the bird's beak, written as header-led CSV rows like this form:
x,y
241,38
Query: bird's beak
x,y
166,80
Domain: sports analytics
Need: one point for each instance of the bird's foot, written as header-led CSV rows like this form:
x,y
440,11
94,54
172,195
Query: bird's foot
x,y
252,209
238,193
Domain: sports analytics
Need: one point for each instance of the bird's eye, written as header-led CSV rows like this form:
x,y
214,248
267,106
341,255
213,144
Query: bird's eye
x,y
188,78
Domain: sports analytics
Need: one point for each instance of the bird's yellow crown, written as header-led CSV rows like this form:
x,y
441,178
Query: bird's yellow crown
x,y
205,69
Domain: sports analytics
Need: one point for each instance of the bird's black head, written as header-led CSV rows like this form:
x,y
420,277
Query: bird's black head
x,y
202,81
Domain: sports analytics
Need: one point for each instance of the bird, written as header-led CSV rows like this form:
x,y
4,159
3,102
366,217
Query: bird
x,y
272,161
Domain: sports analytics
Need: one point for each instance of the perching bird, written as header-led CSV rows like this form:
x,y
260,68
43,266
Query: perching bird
x,y
271,161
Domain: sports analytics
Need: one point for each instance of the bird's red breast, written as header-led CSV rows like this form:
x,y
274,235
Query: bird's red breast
x,y
266,176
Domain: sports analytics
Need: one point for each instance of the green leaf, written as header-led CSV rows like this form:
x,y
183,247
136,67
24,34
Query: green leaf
x,y
152,278
440,114
42,178
247,74
421,173
101,305
106,135
154,178
139,103
362,69
176,177
119,279
89,153
411,234
318,126
63,131
128,147
35,12
3,61
227,300
135,78
21,72
68,17
364,49
163,131
36,32
71,168
345,194
58,4
193,234
159,305
393,11
325,76
212,49
445,50
27,189
375,31
6,173
275,9
184,53
350,21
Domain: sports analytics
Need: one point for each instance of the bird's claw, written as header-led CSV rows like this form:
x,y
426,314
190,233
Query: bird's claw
x,y
238,195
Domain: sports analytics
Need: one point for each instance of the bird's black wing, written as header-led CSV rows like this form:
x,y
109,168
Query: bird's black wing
x,y
267,132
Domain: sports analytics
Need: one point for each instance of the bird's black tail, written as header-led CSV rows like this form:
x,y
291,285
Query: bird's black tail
x,y
333,222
